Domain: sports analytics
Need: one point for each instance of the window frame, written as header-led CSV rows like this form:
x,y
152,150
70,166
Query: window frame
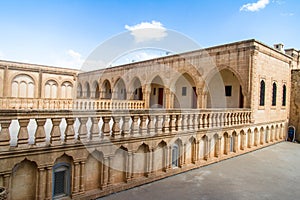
x,y
59,167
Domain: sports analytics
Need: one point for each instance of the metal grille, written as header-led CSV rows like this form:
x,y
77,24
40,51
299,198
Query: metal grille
x,y
59,183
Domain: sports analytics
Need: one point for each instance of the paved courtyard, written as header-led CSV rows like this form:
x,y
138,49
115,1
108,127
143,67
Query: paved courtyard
x,y
270,173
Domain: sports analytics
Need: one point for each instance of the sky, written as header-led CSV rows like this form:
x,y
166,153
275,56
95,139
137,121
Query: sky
x,y
64,33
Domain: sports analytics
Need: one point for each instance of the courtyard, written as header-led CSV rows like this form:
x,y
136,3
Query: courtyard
x,y
268,173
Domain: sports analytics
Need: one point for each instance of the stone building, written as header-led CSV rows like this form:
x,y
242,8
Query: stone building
x,y
81,135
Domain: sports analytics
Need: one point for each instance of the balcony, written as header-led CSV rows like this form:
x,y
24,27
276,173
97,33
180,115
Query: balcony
x,y
47,128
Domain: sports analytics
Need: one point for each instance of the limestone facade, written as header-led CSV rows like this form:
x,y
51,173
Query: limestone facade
x,y
89,134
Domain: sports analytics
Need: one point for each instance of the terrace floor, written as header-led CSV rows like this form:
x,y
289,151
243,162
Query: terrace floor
x,y
270,173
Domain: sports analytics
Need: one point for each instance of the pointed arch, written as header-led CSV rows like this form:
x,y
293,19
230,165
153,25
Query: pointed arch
x,y
185,92
119,90
96,90
106,90
136,89
157,95
94,164
160,157
23,86
24,180
79,90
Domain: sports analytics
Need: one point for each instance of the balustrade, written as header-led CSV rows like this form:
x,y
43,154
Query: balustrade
x,y
96,126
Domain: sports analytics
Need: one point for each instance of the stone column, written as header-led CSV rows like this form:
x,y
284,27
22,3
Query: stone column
x,y
42,183
146,95
49,182
82,176
129,166
76,184
218,147
105,172
110,171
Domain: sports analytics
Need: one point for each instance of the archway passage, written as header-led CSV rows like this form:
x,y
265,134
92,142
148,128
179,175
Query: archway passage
x,y
95,90
106,90
120,90
137,90
185,92
225,91
157,95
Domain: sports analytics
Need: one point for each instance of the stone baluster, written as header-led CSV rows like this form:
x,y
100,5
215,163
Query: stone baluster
x,y
221,119
55,131
200,121
150,125
134,125
82,131
178,123
125,126
4,134
209,120
166,123
105,127
116,131
184,121
172,122
95,128
23,132
143,125
191,121
70,132
158,124
196,121
40,135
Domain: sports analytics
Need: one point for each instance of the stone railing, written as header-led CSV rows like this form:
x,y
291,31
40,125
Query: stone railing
x,y
67,104
37,128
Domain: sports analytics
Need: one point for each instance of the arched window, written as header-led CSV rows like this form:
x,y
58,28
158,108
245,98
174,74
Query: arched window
x,y
274,91
22,86
66,90
175,155
79,91
51,89
262,93
61,180
284,95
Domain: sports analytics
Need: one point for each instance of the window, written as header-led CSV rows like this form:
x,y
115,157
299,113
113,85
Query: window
x,y
231,140
228,89
154,91
183,92
284,95
61,180
175,154
274,91
262,93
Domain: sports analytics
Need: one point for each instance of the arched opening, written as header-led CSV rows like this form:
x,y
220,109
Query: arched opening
x,y
262,136
51,89
160,155
242,140
274,94
94,169
23,86
136,89
227,142
87,90
61,177
262,93
191,151
141,161
66,90
96,90
23,180
216,146
175,155
106,90
157,95
119,165
249,140
203,148
79,90
284,95
225,91
120,92
185,92
256,137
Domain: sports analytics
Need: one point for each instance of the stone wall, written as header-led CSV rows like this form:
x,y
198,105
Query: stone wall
x,y
295,102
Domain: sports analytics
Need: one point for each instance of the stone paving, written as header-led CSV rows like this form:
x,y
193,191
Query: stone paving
x,y
271,173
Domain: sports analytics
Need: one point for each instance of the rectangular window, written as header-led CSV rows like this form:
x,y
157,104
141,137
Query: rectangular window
x,y
183,91
59,183
228,89
154,91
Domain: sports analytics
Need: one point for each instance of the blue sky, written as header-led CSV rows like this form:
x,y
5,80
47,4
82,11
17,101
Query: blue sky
x,y
64,32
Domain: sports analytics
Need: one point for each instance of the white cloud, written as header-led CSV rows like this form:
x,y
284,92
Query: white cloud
x,y
70,59
255,6
146,31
